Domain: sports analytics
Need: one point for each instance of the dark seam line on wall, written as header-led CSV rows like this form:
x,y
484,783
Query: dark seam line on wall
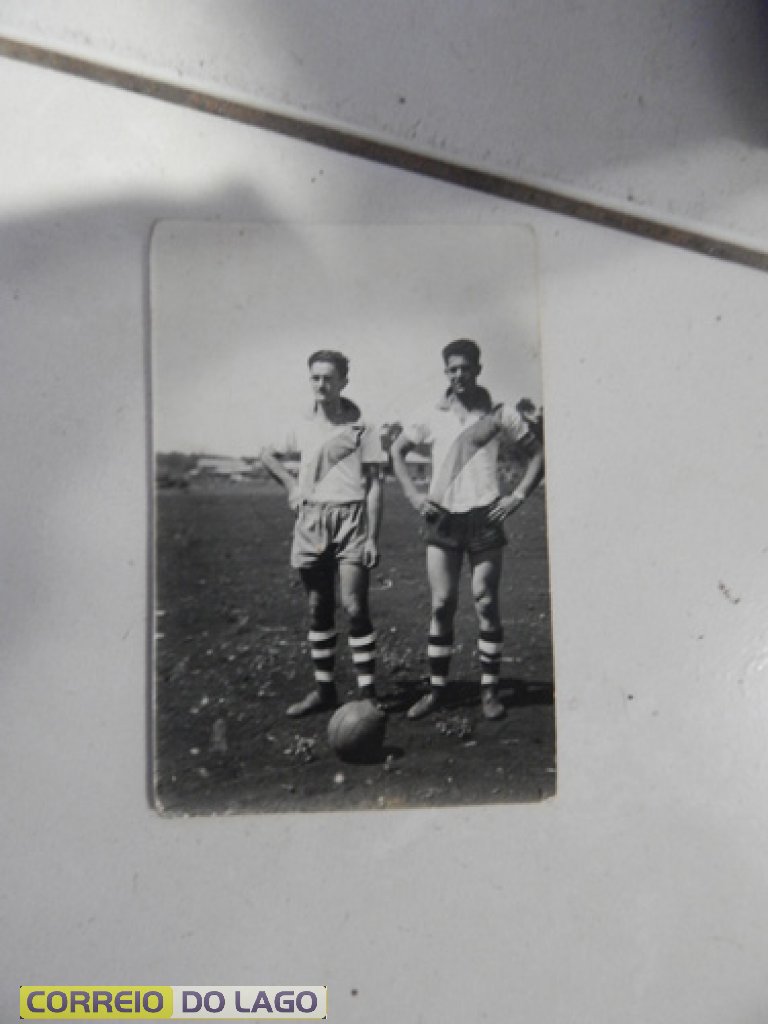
x,y
389,154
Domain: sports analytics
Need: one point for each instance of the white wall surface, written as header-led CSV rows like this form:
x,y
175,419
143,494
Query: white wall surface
x,y
657,108
638,894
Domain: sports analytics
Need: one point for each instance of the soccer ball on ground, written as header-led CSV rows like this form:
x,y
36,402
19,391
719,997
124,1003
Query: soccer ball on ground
x,y
356,731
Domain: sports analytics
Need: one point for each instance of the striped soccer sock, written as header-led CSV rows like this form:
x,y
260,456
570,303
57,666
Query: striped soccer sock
x,y
490,645
362,642
322,645
439,650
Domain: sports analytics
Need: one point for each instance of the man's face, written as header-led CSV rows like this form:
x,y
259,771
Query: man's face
x,y
327,383
462,372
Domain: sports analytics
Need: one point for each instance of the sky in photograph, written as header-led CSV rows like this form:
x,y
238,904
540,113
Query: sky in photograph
x,y
237,309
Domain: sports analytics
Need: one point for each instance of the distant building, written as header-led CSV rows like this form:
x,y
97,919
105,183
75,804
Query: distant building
x,y
419,466
220,465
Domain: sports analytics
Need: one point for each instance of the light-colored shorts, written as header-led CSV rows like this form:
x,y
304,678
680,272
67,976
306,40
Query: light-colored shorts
x,y
329,531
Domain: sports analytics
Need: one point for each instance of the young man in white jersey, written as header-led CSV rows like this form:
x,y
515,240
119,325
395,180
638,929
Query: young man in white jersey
x,y
337,497
464,511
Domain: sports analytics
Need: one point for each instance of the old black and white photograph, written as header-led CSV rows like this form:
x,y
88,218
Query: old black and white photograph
x,y
351,590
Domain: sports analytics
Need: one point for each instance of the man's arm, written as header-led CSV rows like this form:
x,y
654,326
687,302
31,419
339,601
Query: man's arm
x,y
534,472
400,449
274,466
374,500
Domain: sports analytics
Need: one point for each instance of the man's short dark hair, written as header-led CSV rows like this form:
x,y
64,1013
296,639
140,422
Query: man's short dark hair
x,y
462,347
329,355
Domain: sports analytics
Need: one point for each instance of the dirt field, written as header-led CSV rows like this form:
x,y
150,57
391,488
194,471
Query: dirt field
x,y
231,654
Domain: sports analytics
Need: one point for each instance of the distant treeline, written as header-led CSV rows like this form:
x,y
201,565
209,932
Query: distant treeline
x,y
179,469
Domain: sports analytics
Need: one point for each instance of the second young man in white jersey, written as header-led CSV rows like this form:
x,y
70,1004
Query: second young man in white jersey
x,y
464,511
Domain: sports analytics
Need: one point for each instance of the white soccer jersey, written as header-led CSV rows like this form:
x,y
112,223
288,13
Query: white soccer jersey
x,y
333,456
465,451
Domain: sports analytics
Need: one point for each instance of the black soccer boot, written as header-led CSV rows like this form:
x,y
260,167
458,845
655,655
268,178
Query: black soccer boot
x,y
492,707
322,698
425,705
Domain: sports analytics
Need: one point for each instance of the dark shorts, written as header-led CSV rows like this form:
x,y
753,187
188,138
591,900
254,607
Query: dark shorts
x,y
464,531
325,531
